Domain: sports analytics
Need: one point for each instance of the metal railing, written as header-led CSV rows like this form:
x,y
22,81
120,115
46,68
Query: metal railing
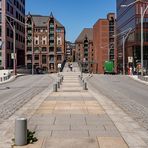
x,y
5,78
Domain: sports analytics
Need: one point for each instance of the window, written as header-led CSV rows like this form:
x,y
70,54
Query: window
x,y
59,42
11,9
29,57
44,42
0,5
7,31
59,49
43,59
36,57
44,49
8,7
0,17
59,57
0,31
36,49
29,49
58,30
36,42
8,45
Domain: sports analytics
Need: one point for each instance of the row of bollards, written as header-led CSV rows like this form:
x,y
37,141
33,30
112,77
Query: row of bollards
x,y
58,84
84,84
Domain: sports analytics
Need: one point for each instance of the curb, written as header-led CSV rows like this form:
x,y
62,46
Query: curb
x,y
138,80
12,78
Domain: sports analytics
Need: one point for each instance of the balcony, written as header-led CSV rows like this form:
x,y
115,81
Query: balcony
x,y
51,38
51,32
29,61
29,52
29,26
36,61
59,51
51,44
29,31
51,61
36,50
85,51
29,44
51,25
51,52
85,47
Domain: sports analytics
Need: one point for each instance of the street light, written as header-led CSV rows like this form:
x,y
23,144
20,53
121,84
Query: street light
x,y
125,34
14,50
14,34
124,40
131,3
110,46
143,11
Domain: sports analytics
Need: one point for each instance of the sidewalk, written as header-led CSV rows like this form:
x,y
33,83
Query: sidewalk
x,y
73,118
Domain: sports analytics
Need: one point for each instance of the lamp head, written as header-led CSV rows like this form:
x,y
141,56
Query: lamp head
x,y
123,6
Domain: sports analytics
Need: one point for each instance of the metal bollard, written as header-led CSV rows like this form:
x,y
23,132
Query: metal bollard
x,y
83,82
85,86
62,78
55,88
58,84
20,131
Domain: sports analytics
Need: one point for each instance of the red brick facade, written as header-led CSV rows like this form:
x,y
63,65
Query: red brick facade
x,y
84,50
48,43
101,44
104,42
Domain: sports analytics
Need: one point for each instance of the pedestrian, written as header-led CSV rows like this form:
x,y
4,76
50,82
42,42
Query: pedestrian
x,y
71,67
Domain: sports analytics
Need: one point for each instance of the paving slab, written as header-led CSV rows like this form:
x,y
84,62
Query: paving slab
x,y
111,142
71,143
37,144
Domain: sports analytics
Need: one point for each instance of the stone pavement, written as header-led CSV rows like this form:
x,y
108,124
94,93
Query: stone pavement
x,y
27,110
73,118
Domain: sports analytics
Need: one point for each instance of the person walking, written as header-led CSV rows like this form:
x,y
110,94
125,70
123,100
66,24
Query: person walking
x,y
71,66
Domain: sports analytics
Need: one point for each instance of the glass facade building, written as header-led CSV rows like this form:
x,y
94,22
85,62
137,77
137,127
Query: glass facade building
x,y
130,18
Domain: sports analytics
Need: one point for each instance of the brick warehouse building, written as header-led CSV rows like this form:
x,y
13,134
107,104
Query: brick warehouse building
x,y
104,42
129,17
48,44
84,50
70,51
14,9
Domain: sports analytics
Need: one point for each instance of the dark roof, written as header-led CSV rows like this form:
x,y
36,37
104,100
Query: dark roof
x,y
87,32
41,21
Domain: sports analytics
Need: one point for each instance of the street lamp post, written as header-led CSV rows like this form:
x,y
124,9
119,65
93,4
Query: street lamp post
x,y
14,50
110,46
124,40
143,11
142,20
14,38
125,34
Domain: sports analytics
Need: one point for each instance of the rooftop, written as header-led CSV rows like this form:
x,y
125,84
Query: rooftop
x,y
41,21
86,32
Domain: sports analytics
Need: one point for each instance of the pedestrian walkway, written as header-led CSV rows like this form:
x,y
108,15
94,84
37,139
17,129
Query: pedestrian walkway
x,y
73,118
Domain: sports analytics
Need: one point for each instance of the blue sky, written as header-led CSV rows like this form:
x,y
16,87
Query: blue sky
x,y
73,14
